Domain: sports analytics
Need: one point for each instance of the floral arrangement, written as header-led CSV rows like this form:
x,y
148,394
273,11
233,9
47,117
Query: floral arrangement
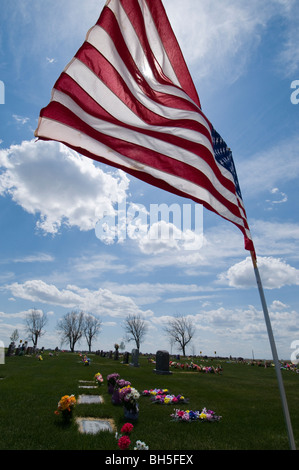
x,y
124,441
163,396
155,391
189,415
129,397
66,405
196,367
99,378
86,360
141,446
112,378
169,399
120,383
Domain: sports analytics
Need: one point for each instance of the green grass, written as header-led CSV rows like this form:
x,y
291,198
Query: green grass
x,y
246,397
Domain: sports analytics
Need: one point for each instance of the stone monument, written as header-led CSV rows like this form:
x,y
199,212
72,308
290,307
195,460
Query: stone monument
x,y
162,363
135,357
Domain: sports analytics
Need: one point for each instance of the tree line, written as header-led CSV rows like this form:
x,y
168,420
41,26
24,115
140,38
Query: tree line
x,y
76,324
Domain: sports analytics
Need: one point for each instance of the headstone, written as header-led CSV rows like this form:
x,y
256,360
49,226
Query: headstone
x,y
162,363
11,349
88,386
89,399
93,425
126,358
135,357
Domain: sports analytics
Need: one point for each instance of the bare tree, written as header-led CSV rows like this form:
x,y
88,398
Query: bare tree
x,y
15,336
180,330
91,328
71,327
35,321
135,329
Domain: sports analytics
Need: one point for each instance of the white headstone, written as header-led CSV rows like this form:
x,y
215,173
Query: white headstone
x,y
89,399
93,425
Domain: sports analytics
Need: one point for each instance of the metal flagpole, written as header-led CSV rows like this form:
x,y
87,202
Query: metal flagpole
x,y
274,353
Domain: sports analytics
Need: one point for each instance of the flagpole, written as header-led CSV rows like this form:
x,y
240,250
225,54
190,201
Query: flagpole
x,y
274,354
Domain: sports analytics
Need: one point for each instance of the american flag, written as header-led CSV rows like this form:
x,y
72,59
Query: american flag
x,y
127,99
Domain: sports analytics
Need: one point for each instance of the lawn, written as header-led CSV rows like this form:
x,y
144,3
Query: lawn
x,y
246,397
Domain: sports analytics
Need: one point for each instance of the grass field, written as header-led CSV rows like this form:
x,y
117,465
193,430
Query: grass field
x,y
246,397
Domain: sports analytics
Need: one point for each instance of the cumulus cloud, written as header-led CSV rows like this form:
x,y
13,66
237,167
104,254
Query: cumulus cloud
x,y
57,184
230,32
101,301
275,273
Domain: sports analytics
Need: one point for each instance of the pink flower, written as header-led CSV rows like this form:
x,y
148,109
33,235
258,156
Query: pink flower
x,y
124,442
127,428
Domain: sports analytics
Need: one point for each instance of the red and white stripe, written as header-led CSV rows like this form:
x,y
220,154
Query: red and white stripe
x,y
127,99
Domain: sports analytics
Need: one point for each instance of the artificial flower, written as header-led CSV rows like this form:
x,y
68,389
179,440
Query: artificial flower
x,y
127,428
140,446
124,442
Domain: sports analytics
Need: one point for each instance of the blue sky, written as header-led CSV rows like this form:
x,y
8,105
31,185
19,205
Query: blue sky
x,y
243,57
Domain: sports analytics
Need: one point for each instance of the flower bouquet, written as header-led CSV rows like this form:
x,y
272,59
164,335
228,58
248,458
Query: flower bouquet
x,y
99,379
124,441
188,416
111,380
155,391
120,383
129,397
169,399
65,406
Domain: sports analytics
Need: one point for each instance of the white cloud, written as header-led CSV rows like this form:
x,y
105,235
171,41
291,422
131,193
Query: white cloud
x,y
275,273
20,119
278,305
266,170
38,258
276,238
59,185
100,302
230,32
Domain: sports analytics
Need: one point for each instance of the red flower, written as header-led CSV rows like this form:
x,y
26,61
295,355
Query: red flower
x,y
127,428
124,442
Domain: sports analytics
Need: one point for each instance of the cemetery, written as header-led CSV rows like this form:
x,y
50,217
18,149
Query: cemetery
x,y
59,400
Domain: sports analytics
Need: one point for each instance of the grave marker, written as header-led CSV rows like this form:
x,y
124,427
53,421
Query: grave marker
x,y
95,425
162,363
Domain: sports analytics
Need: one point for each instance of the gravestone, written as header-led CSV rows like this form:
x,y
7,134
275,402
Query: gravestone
x,y
89,399
135,357
162,363
11,349
126,358
88,386
94,425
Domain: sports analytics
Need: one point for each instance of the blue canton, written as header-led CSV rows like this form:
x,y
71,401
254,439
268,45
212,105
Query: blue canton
x,y
224,157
